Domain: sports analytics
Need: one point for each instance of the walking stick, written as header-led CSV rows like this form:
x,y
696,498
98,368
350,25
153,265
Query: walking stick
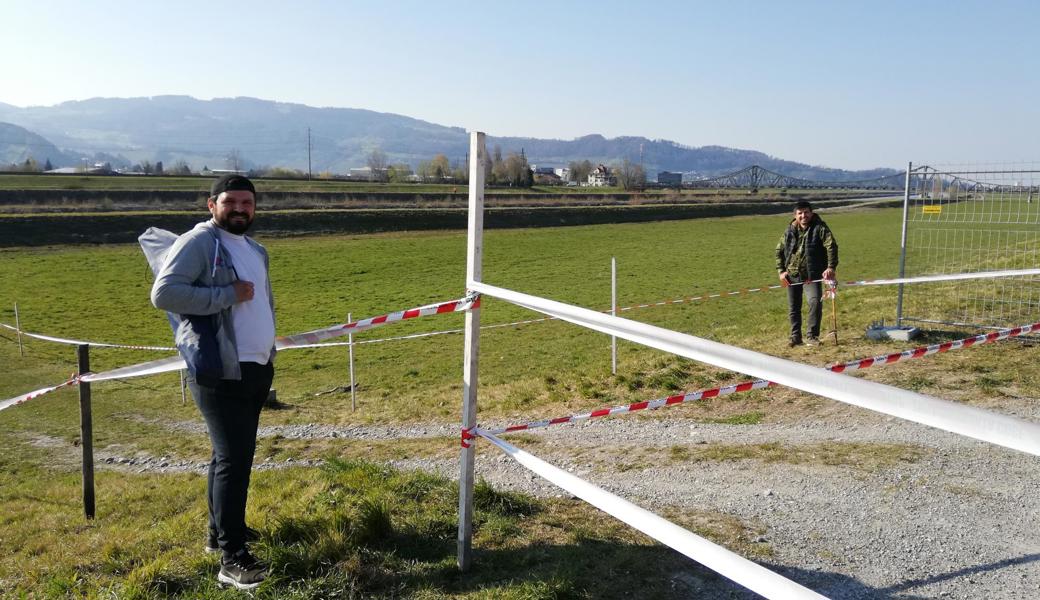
x,y
834,313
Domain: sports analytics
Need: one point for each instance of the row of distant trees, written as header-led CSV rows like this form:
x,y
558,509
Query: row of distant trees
x,y
29,166
627,174
511,170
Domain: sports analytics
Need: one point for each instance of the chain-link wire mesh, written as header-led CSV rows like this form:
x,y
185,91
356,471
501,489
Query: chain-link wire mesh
x,y
972,218
962,219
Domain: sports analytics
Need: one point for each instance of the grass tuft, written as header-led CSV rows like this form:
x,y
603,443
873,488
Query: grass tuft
x,y
487,498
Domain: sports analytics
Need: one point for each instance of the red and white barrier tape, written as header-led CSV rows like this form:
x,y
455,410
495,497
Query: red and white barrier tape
x,y
176,363
758,384
830,291
969,421
833,285
310,338
300,340
977,340
50,338
423,335
749,574
24,397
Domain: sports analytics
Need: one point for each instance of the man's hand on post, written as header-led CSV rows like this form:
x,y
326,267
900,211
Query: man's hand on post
x,y
243,290
829,274
783,279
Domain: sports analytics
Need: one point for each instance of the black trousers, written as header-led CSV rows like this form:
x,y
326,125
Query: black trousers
x,y
232,413
812,293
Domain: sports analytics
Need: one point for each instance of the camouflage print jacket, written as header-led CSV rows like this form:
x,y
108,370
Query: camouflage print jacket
x,y
807,253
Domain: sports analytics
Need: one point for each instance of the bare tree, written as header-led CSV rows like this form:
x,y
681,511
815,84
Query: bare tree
x,y
630,175
377,163
234,160
514,171
440,167
398,173
579,170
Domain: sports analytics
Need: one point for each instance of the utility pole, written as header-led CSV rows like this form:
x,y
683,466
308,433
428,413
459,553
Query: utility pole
x,y
309,174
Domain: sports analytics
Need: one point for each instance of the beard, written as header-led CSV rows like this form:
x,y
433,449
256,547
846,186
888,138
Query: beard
x,y
236,223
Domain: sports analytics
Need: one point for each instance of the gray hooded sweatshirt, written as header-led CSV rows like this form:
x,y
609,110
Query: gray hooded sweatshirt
x,y
194,285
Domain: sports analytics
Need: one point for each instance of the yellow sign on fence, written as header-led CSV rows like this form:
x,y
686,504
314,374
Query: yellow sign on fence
x,y
932,209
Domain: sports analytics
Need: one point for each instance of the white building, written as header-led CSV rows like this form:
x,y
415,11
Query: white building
x,y
601,176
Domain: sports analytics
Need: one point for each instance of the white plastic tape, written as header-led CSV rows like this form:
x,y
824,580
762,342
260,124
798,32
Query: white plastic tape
x,y
51,338
154,367
751,575
957,418
949,277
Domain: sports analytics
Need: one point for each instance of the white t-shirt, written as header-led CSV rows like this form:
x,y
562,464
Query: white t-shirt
x,y
253,320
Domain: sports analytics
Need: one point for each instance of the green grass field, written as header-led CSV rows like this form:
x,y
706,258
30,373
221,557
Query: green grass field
x,y
361,529
82,292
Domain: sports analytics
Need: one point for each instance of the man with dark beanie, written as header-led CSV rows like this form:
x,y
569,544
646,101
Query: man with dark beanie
x,y
807,252
214,285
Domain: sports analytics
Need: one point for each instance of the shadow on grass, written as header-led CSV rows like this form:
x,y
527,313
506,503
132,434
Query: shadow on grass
x,y
593,568
373,531
414,565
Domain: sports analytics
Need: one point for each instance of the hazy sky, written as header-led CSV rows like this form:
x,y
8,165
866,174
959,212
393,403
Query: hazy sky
x,y
842,84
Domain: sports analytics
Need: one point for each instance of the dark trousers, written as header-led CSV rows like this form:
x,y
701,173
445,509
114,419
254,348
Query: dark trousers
x,y
812,292
232,413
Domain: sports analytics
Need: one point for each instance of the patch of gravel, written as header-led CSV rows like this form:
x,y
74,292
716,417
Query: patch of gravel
x,y
959,522
319,431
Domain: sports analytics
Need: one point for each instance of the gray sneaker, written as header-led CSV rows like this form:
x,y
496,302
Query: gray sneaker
x,y
812,340
242,570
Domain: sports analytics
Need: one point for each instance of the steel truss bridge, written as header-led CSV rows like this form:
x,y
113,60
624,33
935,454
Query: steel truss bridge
x,y
975,181
755,177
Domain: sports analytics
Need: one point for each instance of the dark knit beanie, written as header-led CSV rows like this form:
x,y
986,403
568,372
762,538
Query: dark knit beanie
x,y
231,182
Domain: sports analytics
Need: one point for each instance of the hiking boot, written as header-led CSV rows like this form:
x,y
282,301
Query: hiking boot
x,y
242,570
794,342
212,545
812,340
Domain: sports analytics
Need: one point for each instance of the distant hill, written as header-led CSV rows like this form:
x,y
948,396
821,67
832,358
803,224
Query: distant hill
x,y
18,144
266,133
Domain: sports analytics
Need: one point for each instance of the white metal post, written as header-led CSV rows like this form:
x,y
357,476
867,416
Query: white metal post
x,y
350,345
474,249
613,311
18,328
902,244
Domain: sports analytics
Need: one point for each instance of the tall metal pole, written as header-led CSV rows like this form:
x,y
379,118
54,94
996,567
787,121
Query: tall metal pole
x,y
902,244
474,250
613,311
86,432
309,153
350,344
18,327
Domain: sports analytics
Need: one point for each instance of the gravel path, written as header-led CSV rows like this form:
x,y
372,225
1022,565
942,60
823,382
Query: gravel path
x,y
959,522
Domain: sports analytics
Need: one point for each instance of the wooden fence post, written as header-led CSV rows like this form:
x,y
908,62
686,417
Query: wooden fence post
x,y
86,432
